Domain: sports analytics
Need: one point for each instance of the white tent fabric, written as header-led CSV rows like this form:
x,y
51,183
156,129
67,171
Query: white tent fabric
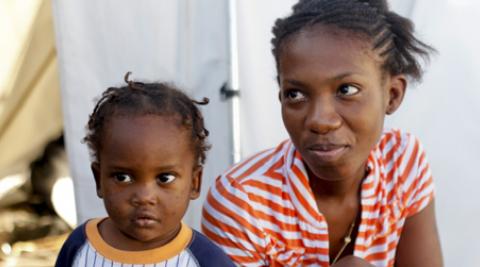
x,y
443,112
30,111
186,41
99,41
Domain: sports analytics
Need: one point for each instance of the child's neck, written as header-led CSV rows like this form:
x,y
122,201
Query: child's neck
x,y
122,241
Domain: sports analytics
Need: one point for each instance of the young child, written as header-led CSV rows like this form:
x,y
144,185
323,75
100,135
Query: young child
x,y
342,191
148,144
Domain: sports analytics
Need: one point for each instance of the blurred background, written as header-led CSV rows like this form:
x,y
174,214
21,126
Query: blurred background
x,y
56,57
33,163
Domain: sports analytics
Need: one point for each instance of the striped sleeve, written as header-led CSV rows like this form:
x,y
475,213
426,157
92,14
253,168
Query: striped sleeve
x,y
418,189
230,220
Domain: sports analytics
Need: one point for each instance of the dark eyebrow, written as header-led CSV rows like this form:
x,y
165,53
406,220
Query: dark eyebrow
x,y
163,168
294,82
118,168
343,75
335,78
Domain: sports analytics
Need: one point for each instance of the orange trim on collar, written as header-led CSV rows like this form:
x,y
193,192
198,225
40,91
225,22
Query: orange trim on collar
x,y
165,252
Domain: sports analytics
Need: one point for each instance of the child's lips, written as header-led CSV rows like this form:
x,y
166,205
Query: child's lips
x,y
145,220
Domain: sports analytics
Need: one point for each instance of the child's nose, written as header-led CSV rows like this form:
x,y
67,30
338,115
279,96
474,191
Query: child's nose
x,y
145,195
322,116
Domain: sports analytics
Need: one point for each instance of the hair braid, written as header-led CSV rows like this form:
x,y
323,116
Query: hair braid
x,y
137,98
391,35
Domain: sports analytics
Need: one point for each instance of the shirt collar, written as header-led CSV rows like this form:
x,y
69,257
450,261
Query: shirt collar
x,y
302,195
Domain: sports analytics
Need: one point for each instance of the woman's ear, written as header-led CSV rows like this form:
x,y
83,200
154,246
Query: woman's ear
x,y
196,182
96,174
396,92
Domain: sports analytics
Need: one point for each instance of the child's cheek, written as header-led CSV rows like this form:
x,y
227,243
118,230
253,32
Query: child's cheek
x,y
177,204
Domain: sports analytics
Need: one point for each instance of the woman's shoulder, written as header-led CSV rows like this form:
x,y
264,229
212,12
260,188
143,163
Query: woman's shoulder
x,y
404,164
397,134
405,169
395,143
257,165
400,159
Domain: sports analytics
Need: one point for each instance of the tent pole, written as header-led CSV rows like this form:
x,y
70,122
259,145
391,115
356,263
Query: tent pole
x,y
233,83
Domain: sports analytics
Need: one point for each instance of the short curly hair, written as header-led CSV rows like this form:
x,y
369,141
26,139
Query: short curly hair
x,y
137,98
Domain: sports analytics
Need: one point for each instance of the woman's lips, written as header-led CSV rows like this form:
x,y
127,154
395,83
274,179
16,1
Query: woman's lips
x,y
327,152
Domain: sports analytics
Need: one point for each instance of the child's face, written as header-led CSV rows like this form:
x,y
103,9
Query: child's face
x,y
334,100
146,177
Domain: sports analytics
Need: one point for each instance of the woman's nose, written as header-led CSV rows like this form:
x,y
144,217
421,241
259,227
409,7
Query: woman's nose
x,y
322,116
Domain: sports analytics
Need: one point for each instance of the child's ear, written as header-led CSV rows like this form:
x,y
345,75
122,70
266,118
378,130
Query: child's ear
x,y
96,174
196,182
396,92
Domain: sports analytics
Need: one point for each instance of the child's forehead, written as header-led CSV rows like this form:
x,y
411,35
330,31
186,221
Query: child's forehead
x,y
167,120
126,115
144,134
130,130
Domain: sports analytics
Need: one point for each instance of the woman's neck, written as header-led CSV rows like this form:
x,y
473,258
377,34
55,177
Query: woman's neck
x,y
336,186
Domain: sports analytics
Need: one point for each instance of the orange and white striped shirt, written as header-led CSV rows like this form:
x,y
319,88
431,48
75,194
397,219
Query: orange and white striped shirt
x,y
262,212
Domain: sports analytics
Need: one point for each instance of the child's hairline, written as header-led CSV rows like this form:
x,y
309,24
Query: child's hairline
x,y
176,97
176,117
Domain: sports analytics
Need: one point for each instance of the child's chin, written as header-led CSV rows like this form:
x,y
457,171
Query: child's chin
x,y
150,236
143,235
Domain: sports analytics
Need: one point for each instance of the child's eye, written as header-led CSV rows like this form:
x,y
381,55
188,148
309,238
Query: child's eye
x,y
294,95
166,178
347,90
123,178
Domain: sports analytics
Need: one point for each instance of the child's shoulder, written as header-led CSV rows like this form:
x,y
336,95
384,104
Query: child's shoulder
x,y
206,252
78,234
74,242
77,237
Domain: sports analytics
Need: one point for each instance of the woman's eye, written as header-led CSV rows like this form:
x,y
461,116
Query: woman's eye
x,y
123,178
165,178
294,95
348,90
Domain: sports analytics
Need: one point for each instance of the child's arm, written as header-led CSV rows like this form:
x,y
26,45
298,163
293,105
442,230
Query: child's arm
x,y
419,244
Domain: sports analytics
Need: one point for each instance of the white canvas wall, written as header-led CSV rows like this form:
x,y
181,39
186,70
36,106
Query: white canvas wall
x,y
99,41
186,41
444,112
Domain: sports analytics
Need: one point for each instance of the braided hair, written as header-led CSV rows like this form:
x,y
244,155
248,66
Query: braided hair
x,y
137,98
391,35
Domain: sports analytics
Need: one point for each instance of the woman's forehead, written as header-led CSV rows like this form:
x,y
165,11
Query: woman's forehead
x,y
328,51
317,34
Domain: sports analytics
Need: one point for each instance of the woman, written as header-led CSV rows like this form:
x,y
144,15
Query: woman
x,y
342,191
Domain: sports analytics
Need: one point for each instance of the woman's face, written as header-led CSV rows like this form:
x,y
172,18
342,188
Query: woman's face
x,y
333,100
